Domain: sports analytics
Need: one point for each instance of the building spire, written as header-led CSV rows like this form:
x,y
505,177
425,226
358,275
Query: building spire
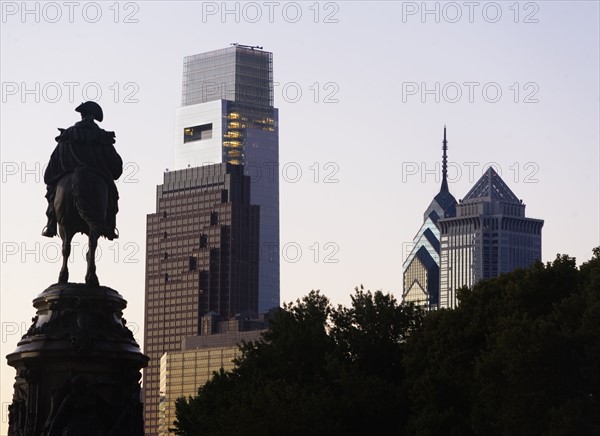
x,y
444,187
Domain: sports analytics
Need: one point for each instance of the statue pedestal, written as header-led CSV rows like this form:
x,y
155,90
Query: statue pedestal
x,y
78,367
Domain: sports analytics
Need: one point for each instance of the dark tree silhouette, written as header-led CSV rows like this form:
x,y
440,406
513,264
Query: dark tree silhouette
x,y
318,370
519,356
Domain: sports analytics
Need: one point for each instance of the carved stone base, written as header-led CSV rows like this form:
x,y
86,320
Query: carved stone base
x,y
78,367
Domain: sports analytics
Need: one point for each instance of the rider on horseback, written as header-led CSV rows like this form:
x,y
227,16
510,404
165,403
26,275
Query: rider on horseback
x,y
85,147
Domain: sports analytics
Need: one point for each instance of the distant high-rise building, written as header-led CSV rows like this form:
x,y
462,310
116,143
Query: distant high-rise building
x,y
227,115
421,269
201,257
215,347
488,236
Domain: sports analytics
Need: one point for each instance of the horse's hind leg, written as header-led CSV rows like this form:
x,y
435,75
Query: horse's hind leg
x,y
66,237
91,278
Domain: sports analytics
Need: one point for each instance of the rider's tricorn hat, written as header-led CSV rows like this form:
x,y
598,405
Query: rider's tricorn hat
x,y
90,108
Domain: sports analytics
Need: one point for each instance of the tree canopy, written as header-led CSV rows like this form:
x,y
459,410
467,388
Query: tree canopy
x,y
520,355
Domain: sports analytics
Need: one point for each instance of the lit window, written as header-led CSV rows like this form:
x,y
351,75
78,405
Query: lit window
x,y
197,133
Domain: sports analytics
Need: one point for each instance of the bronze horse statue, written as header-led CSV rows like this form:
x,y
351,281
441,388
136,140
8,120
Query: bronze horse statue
x,y
82,196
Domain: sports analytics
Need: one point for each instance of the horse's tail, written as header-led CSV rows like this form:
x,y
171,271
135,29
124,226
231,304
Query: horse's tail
x,y
90,197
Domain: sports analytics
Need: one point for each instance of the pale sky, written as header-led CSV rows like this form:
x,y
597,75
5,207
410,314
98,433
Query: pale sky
x,y
363,91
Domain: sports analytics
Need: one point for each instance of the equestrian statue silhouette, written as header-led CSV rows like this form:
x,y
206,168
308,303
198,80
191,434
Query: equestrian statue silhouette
x,y
81,192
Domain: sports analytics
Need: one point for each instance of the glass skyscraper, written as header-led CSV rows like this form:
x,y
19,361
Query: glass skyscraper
x,y
488,236
227,115
421,270
213,242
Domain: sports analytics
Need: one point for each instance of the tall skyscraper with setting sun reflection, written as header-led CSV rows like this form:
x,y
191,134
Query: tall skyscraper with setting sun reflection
x,y
213,242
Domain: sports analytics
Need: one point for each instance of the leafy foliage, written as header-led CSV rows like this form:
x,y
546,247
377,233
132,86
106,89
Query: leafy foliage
x,y
519,356
317,370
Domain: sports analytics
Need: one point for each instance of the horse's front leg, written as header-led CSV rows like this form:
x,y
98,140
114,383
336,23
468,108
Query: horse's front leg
x,y
91,278
66,237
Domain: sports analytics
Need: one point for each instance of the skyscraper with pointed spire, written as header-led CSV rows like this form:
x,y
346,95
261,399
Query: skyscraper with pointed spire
x,y
421,270
489,235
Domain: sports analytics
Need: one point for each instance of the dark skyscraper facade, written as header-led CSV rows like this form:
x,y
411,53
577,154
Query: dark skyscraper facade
x,y
202,256
421,269
489,235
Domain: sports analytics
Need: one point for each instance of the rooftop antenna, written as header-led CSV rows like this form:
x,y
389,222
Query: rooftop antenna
x,y
444,164
251,47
